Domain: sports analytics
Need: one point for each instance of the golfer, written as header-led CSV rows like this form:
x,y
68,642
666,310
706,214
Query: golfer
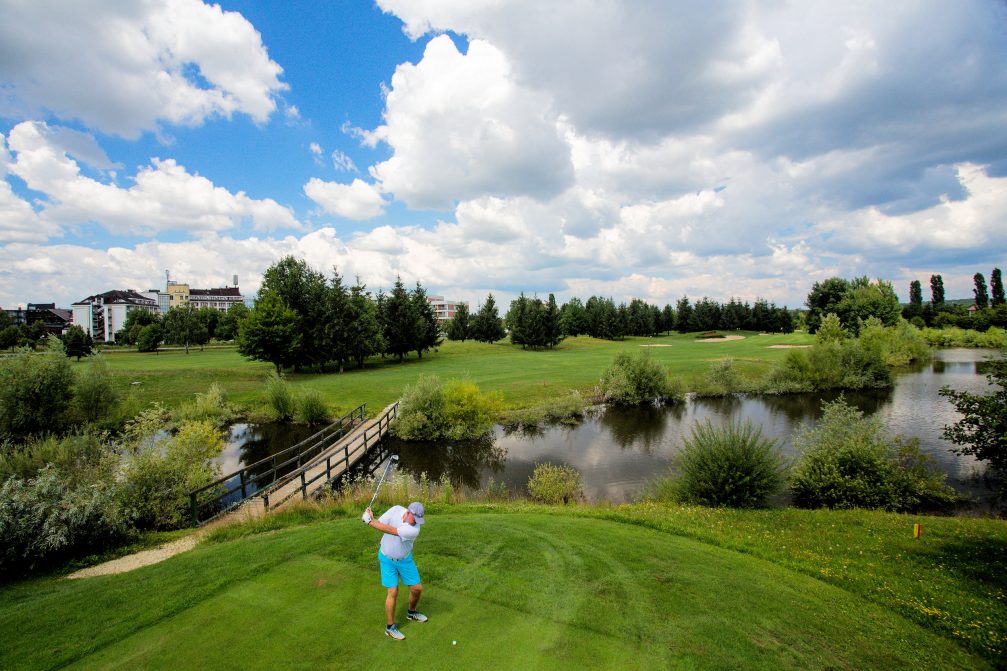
x,y
401,527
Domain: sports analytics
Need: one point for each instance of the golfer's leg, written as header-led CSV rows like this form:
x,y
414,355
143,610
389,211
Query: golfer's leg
x,y
415,591
393,592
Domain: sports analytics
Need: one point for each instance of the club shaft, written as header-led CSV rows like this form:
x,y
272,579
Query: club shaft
x,y
380,482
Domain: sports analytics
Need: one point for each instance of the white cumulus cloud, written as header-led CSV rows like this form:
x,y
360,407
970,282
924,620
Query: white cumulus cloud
x,y
357,200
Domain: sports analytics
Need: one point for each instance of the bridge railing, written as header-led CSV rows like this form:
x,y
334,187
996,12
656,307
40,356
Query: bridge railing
x,y
366,439
208,501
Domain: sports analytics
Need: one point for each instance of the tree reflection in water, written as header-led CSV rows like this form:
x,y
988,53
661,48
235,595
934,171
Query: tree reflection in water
x,y
460,462
643,427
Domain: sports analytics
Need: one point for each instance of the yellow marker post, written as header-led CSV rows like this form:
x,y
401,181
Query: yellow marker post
x,y
917,530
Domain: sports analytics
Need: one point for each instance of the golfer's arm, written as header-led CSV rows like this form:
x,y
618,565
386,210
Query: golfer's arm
x,y
381,526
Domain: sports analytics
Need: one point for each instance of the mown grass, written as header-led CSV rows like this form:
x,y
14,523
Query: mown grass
x,y
522,586
526,378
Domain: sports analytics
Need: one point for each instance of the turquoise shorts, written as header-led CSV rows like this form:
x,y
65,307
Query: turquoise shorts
x,y
392,569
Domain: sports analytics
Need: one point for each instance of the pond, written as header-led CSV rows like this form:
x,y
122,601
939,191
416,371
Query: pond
x,y
619,450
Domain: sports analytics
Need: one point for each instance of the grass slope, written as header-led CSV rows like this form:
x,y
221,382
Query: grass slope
x,y
525,377
526,589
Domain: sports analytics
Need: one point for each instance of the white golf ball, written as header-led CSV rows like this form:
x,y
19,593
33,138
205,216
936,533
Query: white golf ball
x,y
454,642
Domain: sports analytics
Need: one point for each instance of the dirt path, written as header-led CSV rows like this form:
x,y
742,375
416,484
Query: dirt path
x,y
143,558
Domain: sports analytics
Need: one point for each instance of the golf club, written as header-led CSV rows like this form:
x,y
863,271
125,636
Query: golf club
x,y
391,461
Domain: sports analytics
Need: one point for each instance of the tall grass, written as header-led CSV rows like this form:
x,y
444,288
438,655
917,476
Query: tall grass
x,y
279,398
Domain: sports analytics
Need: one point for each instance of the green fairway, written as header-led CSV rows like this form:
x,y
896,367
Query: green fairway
x,y
516,590
524,377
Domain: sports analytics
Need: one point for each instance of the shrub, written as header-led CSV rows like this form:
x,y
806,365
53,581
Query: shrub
x,y
35,390
896,345
211,406
279,397
723,377
555,484
421,411
83,456
567,409
792,376
311,408
468,413
634,379
45,518
733,465
848,461
993,338
161,470
431,409
95,396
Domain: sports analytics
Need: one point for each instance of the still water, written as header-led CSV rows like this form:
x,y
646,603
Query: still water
x,y
618,450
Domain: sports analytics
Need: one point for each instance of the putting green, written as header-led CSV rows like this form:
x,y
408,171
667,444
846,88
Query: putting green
x,y
517,591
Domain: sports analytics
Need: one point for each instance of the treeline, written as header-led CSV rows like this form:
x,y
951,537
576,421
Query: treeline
x,y
990,304
532,322
183,325
303,320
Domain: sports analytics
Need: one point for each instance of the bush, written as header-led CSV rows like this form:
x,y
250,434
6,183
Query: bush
x,y
95,395
211,406
46,518
35,390
733,465
279,397
82,456
722,377
311,408
847,461
992,338
431,409
635,379
555,484
468,413
896,345
421,410
161,470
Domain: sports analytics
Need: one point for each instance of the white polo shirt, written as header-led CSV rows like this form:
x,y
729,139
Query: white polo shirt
x,y
398,547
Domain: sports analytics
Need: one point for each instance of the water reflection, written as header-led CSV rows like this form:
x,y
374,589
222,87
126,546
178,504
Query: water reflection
x,y
618,450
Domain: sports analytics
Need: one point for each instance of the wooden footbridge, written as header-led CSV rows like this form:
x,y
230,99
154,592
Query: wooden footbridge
x,y
296,473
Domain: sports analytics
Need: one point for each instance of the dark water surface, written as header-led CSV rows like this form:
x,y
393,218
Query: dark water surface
x,y
619,450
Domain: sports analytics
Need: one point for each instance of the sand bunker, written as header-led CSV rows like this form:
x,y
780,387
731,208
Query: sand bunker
x,y
788,346
659,345
721,339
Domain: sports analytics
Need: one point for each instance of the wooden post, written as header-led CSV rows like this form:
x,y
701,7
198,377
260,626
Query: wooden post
x,y
195,509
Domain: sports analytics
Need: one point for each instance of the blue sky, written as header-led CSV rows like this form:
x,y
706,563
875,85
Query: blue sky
x,y
645,149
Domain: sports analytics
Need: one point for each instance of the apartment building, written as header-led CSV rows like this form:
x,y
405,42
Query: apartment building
x,y
102,315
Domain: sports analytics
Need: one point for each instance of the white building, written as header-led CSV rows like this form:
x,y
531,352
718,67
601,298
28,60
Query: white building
x,y
102,315
444,309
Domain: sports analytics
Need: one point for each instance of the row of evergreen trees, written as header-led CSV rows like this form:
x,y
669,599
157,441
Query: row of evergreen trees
x,y
532,322
302,320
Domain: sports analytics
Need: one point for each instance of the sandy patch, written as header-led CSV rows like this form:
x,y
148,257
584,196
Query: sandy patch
x,y
721,339
145,558
662,345
788,346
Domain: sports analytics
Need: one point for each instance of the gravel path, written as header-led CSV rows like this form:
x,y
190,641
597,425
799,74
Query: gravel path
x,y
144,558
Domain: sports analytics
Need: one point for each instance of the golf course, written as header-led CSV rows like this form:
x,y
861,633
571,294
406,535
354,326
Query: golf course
x,y
518,586
524,377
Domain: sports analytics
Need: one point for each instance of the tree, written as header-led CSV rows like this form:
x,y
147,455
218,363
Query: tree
x,y
35,390
227,325
996,288
210,319
338,321
864,299
517,321
936,291
823,299
428,331
551,326
399,321
9,336
981,295
683,315
77,343
982,430
149,338
303,290
271,332
459,327
486,326
364,331
667,319
915,308
573,318
706,315
135,321
182,326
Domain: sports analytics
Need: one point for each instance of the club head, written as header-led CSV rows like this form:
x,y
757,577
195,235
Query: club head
x,y
395,457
